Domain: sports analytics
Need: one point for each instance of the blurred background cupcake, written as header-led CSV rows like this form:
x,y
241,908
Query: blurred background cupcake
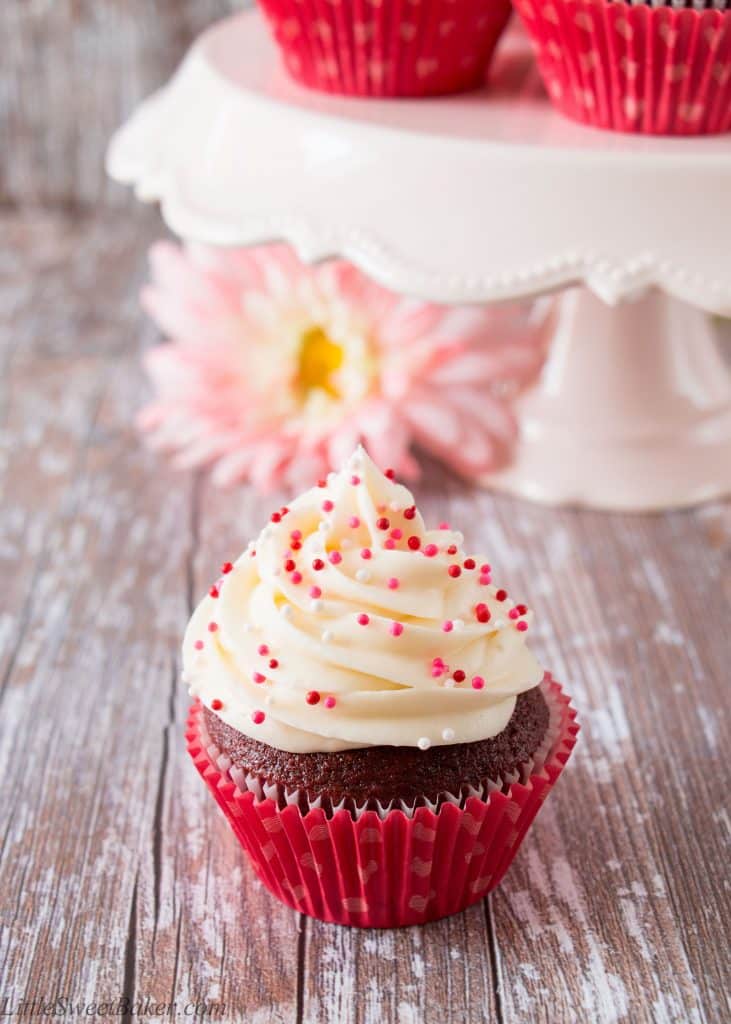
x,y
387,47
654,68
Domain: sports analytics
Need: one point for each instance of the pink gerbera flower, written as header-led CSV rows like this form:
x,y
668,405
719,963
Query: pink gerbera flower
x,y
276,370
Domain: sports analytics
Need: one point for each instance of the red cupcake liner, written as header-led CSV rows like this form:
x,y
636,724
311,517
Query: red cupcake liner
x,y
387,47
634,68
398,867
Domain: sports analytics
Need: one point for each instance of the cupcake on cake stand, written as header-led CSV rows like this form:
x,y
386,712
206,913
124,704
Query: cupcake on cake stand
x,y
482,198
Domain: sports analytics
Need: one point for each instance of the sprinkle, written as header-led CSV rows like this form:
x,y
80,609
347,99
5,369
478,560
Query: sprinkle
x,y
273,663
276,517
326,636
296,534
390,544
258,677
317,605
262,649
513,613
366,553
444,526
459,676
354,522
269,700
486,568
290,565
335,558
213,592
363,576
452,549
286,611
449,683
355,480
459,624
327,505
390,474
484,580
227,566
431,550
423,743
312,697
318,564
438,671
315,592
448,626
396,629
478,683
363,619
522,609
257,717
252,553
284,511
346,543
296,577
447,734
393,583
501,595
382,523
521,626
396,533
454,571
322,483
199,645
414,543
437,661
296,545
323,526
330,702
212,627
469,563
482,613
410,512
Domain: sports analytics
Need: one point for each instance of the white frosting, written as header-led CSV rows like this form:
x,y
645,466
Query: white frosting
x,y
376,677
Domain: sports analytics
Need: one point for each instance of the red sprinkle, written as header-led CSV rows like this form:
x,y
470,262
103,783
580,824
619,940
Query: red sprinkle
x,y
469,563
363,619
216,704
484,580
513,613
227,566
501,595
355,480
431,550
199,645
410,512
312,697
276,517
258,677
318,564
396,533
522,609
486,568
257,717
414,543
284,511
330,702
212,627
296,534
522,625
390,474
262,649
452,549
444,526
366,553
482,613
454,571
382,523
396,629
322,483
213,591
459,676
296,545
273,663
290,565
296,577
477,682
327,505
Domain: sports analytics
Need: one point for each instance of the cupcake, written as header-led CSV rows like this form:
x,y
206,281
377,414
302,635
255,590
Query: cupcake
x,y
390,47
654,68
368,713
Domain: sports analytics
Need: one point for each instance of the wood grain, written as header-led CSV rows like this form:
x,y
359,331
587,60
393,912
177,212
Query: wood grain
x,y
117,873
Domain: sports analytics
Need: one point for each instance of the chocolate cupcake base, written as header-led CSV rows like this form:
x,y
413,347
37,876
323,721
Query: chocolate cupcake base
x,y
386,775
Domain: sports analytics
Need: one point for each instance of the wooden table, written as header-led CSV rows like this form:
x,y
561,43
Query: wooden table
x,y
118,875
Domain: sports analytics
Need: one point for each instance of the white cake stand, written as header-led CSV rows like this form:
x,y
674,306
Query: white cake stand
x,y
481,198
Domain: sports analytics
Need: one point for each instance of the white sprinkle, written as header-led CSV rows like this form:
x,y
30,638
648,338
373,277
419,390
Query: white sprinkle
x,y
363,576
346,543
499,624
266,532
458,538
450,683
458,623
192,691
322,525
286,611
447,734
185,676
423,743
326,636
317,605
269,700
394,506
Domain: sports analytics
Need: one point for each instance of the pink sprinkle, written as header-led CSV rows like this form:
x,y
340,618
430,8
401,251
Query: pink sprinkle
x,y
296,577
354,522
513,613
315,592
396,629
355,480
212,627
330,702
522,625
486,568
257,717
199,645
437,661
363,619
448,626
396,533
335,558
296,534
366,553
484,580
390,544
438,671
262,649
444,526
393,583
327,505
430,550
477,682
259,678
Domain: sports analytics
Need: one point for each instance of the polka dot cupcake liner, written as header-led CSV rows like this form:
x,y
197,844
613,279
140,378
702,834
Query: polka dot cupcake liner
x,y
387,47
387,867
634,67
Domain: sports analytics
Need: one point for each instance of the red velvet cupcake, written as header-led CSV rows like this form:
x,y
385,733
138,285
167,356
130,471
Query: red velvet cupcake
x,y
662,69
368,714
387,47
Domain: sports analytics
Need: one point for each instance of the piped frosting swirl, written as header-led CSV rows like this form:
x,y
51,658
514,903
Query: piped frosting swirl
x,y
349,624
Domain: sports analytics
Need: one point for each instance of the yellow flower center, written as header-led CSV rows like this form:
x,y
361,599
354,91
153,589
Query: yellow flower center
x,y
319,358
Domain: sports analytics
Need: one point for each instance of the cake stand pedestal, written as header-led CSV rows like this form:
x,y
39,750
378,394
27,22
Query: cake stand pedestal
x,y
482,198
